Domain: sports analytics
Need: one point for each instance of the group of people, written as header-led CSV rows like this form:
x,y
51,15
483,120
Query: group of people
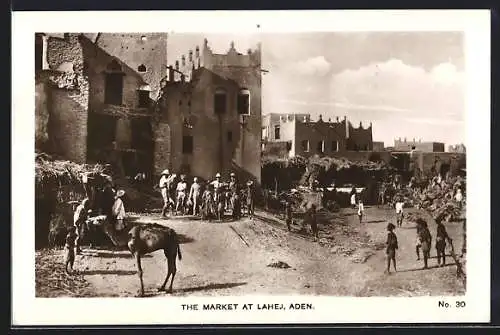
x,y
208,200
104,203
423,243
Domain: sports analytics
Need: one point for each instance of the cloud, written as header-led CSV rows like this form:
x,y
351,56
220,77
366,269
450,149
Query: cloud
x,y
313,66
341,105
439,91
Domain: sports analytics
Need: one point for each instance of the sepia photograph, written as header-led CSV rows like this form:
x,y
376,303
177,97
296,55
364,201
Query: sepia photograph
x,y
224,164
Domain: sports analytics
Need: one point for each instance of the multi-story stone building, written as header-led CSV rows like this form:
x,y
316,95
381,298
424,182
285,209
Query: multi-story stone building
x,y
304,137
111,98
211,107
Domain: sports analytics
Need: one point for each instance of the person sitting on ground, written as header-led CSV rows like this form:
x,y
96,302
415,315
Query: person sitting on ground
x,y
361,210
288,215
181,194
69,249
399,211
194,195
119,211
79,218
250,199
391,247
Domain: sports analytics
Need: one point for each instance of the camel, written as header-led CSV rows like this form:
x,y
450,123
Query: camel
x,y
147,238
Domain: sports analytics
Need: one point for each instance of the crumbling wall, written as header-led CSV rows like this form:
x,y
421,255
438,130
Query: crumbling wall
x,y
41,115
148,49
68,121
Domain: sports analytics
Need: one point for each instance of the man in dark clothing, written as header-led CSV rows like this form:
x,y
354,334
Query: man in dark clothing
x,y
107,200
441,239
391,247
426,240
313,222
250,199
288,215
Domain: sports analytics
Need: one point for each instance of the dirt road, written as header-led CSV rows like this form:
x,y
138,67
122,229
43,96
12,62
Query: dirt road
x,y
233,258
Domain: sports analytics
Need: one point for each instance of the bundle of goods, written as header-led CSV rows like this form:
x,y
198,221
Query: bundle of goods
x,y
439,199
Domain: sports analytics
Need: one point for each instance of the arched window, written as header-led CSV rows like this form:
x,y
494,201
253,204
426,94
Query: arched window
x,y
141,68
220,101
243,102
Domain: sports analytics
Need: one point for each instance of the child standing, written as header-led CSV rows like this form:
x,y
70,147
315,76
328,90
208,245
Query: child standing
x,y
250,199
441,238
69,250
399,211
391,247
313,222
361,210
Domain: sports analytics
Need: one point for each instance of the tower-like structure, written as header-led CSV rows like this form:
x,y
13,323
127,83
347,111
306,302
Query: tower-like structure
x,y
145,53
221,93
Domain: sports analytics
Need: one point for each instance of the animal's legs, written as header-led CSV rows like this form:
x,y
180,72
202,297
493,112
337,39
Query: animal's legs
x,y
172,268
139,272
169,271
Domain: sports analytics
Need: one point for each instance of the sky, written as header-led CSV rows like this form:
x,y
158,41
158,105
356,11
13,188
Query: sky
x,y
408,84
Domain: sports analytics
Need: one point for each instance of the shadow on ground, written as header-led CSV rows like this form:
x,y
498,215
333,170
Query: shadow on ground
x,y
428,268
212,286
107,272
90,253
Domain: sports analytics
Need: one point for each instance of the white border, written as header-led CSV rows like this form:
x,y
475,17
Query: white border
x,y
30,310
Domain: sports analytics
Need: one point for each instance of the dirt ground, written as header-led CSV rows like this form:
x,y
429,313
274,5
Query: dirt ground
x,y
233,258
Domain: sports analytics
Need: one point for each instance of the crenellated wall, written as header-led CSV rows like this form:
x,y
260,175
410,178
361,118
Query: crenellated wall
x,y
222,142
360,139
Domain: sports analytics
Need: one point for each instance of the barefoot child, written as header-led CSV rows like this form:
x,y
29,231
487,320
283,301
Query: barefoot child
x,y
391,247
69,250
441,239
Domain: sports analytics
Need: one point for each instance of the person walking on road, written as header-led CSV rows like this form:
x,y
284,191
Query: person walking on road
x,y
163,184
361,210
441,239
426,240
313,221
399,211
391,247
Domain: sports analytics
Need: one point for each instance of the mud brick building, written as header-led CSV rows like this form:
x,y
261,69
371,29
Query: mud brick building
x,y
404,145
111,98
306,138
211,107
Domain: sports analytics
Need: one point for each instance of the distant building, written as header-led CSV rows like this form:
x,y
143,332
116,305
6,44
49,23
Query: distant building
x,y
404,145
459,148
378,146
304,137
